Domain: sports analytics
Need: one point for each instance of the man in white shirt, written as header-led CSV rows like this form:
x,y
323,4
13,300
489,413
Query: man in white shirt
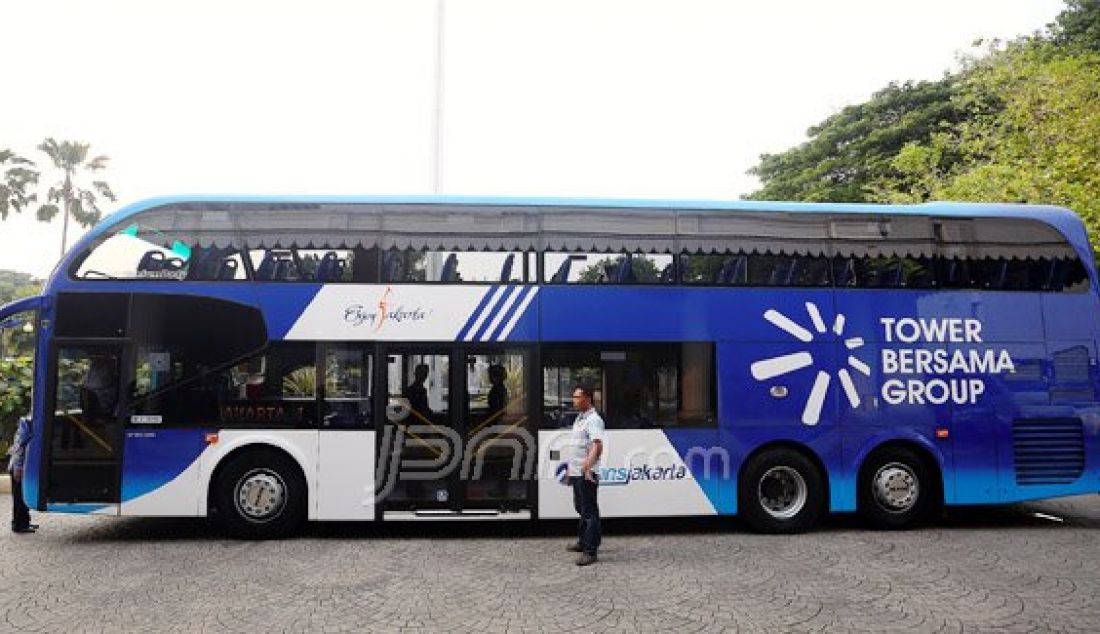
x,y
585,448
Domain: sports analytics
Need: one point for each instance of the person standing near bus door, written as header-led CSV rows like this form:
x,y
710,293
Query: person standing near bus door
x,y
585,448
20,514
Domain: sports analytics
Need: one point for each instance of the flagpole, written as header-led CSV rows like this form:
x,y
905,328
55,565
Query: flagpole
x,y
437,120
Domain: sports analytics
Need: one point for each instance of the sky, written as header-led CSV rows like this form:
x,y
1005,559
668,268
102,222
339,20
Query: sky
x,y
593,98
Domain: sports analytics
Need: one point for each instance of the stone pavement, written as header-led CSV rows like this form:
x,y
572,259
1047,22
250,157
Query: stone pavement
x,y
1033,567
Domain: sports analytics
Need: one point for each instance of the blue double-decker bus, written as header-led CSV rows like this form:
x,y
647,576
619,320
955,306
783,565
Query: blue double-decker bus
x,y
270,361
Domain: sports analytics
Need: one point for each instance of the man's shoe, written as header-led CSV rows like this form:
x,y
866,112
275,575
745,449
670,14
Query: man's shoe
x,y
574,548
586,560
22,529
33,527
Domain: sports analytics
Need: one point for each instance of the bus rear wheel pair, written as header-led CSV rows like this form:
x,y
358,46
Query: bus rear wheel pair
x,y
783,491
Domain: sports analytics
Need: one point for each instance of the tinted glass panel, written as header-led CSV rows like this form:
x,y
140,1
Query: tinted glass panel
x,y
274,389
92,314
84,438
602,268
755,269
348,383
635,386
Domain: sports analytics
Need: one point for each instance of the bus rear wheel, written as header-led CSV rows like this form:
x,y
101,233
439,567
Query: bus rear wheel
x,y
896,490
781,491
261,495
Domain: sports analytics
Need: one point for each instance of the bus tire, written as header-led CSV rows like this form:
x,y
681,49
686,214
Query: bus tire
x,y
261,494
781,491
896,490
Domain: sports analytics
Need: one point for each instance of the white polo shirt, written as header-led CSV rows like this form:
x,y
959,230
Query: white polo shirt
x,y
587,428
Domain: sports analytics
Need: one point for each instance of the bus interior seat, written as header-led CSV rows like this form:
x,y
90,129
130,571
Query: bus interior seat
x,y
734,270
847,275
562,274
151,262
624,271
666,274
506,268
450,269
330,268
228,269
891,277
391,266
266,271
1001,277
1056,274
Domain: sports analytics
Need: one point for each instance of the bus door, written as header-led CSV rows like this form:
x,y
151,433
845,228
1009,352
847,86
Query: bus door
x,y
419,449
84,436
498,428
457,433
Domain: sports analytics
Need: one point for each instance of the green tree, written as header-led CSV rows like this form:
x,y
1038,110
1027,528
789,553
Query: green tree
x,y
67,196
17,183
644,269
16,382
854,149
1079,25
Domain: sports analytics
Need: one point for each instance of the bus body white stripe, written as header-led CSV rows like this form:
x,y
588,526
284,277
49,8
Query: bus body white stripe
x,y
519,313
849,387
484,313
775,366
784,323
814,404
500,314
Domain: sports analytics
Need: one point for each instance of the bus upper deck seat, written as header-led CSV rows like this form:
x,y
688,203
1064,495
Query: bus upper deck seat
x,y
266,271
228,269
450,269
330,268
734,270
667,273
152,262
562,274
624,272
846,276
783,274
203,264
392,268
282,269
506,268
1000,276
891,276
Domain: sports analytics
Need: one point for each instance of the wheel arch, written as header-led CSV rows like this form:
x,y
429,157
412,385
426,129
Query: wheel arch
x,y
793,445
240,446
932,457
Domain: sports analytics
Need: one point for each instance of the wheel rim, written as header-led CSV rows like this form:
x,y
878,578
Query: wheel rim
x,y
782,492
260,495
896,487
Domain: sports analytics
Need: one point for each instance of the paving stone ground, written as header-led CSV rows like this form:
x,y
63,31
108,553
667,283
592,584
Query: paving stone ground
x,y
1000,569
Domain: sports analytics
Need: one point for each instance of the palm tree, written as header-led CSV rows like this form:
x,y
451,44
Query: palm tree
x,y
17,178
82,204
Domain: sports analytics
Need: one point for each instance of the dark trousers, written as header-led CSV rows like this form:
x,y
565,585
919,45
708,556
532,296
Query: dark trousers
x,y
20,514
584,501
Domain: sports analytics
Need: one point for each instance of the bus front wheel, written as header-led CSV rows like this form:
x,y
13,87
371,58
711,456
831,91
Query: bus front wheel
x,y
261,494
895,489
781,491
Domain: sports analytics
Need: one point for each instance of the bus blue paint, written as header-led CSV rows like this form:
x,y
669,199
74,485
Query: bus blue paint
x,y
975,458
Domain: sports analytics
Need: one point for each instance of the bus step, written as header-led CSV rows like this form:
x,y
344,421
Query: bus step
x,y
444,514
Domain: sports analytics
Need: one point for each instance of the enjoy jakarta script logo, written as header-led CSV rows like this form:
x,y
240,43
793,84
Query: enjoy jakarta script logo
x,y
772,367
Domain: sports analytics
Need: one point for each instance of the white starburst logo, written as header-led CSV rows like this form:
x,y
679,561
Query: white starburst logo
x,y
777,366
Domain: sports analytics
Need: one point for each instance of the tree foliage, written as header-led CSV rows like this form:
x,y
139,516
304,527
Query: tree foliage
x,y
68,197
1019,124
17,182
16,383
